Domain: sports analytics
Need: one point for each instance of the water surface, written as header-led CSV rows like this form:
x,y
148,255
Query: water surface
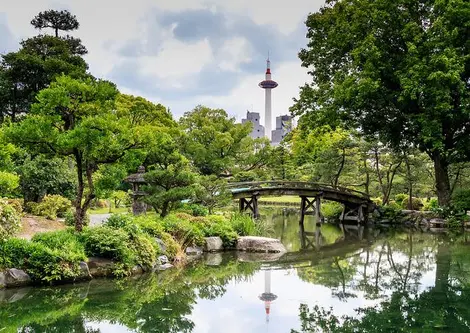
x,y
356,281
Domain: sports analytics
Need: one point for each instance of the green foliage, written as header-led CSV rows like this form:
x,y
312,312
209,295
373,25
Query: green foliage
x,y
244,225
431,204
400,197
416,203
213,141
374,67
17,204
119,221
49,257
8,183
183,231
57,20
43,175
51,207
10,220
69,219
212,192
198,210
461,199
331,210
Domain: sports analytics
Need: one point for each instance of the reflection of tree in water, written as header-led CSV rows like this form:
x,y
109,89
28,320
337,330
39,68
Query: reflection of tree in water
x,y
154,303
443,307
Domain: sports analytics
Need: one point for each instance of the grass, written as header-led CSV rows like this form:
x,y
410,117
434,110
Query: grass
x,y
287,199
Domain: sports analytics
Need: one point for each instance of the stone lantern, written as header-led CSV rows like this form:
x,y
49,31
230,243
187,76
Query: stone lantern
x,y
137,180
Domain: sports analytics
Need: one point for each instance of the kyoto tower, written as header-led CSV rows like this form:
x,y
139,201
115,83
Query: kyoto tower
x,y
267,85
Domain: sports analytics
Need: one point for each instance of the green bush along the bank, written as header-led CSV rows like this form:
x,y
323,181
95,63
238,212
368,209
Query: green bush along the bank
x,y
10,219
51,207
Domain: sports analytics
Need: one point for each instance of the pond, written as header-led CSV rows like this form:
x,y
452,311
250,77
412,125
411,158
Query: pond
x,y
356,281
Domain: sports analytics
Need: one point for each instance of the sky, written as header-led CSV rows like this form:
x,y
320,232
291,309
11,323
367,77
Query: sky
x,y
183,53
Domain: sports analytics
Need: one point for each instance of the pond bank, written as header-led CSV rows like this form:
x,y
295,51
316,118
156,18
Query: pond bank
x,y
97,267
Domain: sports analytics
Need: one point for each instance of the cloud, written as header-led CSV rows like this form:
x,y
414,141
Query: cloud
x,y
8,42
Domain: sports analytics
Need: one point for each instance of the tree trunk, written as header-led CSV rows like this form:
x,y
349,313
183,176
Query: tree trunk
x,y
164,211
441,170
410,183
367,182
341,166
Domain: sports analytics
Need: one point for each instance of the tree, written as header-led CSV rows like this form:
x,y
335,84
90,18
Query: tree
x,y
212,192
212,141
77,118
169,178
399,69
38,62
57,20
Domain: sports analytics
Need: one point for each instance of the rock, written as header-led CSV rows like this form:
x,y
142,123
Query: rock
x,y
163,260
137,269
164,267
100,267
2,280
213,244
84,271
437,221
260,244
14,295
213,259
16,278
259,257
193,250
160,244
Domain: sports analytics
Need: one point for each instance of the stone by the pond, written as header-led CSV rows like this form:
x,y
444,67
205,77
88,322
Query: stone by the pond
x,y
213,259
259,257
161,244
2,280
164,267
437,221
84,271
163,260
16,278
260,244
137,269
193,250
100,267
213,244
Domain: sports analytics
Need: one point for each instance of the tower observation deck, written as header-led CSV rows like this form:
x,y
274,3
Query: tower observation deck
x,y
268,84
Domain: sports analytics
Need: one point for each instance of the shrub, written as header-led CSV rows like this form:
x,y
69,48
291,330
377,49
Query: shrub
x,y
431,204
172,246
108,243
8,183
416,203
198,210
52,206
243,224
461,199
46,259
331,210
185,232
117,221
145,249
400,197
223,230
10,220
17,204
150,225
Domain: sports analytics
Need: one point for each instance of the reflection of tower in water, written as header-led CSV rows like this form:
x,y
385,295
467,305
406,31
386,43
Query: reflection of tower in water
x,y
267,297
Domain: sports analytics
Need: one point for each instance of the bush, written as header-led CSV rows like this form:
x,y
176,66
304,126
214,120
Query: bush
x,y
461,199
106,242
416,203
198,210
49,257
331,210
223,230
10,220
51,207
400,197
172,246
243,224
145,249
431,204
118,221
8,183
185,232
17,204
150,225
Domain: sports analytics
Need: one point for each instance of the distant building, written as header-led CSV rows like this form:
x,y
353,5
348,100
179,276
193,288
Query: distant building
x,y
258,129
283,127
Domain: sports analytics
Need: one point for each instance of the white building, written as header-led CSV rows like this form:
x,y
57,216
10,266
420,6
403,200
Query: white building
x,y
258,129
284,125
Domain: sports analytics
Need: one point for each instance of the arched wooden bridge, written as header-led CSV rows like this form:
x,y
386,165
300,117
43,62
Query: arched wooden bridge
x,y
356,205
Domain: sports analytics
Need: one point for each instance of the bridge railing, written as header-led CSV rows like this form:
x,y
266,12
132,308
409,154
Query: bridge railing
x,y
294,184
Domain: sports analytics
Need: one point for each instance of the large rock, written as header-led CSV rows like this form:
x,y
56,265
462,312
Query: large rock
x,y
164,267
161,244
100,267
2,280
260,244
16,278
163,260
213,244
84,271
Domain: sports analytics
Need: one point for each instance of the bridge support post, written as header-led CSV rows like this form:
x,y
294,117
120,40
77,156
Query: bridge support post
x,y
310,207
250,205
357,213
